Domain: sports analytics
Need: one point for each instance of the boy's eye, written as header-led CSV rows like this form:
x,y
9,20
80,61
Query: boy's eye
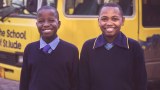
x,y
104,18
115,19
51,20
40,21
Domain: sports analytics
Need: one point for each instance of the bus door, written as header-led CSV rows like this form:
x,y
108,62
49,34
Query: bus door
x,y
149,36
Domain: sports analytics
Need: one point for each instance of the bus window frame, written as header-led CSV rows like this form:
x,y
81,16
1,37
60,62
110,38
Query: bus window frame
x,y
150,23
22,15
95,16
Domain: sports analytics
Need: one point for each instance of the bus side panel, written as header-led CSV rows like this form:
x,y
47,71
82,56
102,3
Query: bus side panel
x,y
15,34
149,37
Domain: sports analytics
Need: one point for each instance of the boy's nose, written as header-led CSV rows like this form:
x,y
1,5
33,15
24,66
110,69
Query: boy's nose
x,y
46,23
109,22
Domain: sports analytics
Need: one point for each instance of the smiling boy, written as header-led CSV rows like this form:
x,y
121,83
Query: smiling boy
x,y
112,61
50,63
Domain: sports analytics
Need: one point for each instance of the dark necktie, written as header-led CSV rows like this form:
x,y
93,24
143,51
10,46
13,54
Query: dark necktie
x,y
46,48
108,46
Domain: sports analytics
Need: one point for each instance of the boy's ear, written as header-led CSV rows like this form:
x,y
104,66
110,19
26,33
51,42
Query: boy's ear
x,y
123,20
98,18
59,22
36,23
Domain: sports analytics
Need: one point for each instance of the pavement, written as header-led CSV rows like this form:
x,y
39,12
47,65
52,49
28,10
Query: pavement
x,y
6,84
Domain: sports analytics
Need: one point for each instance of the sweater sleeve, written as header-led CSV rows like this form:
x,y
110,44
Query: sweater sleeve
x,y
140,75
74,75
25,72
84,75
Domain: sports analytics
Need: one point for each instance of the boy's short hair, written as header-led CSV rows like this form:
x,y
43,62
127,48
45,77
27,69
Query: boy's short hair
x,y
112,5
49,7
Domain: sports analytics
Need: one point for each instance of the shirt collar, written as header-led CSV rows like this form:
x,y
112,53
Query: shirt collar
x,y
121,40
52,44
99,41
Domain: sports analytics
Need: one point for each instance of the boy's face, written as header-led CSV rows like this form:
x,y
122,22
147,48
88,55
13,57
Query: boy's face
x,y
47,23
110,21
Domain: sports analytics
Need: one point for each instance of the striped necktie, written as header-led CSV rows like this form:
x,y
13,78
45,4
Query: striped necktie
x,y
46,48
108,46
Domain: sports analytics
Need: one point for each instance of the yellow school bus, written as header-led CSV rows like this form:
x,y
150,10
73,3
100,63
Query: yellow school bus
x,y
79,23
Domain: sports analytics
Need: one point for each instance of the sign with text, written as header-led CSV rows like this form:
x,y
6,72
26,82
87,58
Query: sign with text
x,y
7,36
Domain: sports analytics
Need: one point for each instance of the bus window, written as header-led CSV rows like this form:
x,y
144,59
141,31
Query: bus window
x,y
91,7
127,7
88,7
70,4
1,3
151,13
34,5
23,7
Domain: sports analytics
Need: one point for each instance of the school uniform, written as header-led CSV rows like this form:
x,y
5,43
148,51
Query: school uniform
x,y
121,67
55,70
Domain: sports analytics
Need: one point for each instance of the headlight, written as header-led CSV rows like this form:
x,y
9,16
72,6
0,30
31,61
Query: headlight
x,y
20,59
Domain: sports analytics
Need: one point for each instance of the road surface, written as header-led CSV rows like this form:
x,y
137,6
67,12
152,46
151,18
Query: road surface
x,y
6,84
